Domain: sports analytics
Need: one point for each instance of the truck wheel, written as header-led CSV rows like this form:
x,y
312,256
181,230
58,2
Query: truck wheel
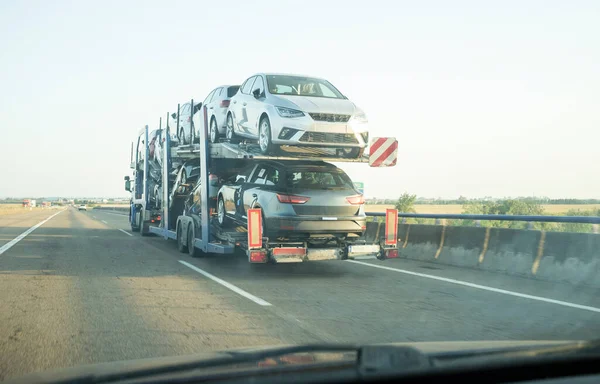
x,y
214,131
192,251
264,136
144,230
181,246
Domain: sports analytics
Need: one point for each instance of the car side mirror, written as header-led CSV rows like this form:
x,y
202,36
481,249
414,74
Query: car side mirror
x,y
256,93
128,185
174,115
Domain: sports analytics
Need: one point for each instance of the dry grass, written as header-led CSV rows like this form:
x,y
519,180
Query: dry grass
x,y
550,209
9,209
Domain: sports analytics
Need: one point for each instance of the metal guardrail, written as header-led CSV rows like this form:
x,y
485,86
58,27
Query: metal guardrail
x,y
527,218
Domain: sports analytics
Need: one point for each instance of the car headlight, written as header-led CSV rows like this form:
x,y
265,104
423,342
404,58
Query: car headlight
x,y
288,112
359,117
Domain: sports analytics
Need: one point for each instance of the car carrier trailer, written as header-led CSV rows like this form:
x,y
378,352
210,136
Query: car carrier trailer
x,y
208,237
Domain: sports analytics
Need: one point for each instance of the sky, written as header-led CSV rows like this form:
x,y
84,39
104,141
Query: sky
x,y
485,98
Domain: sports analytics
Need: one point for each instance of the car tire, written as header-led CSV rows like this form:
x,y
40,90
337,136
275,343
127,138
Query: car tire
x,y
353,153
182,137
230,131
214,131
181,246
221,213
265,141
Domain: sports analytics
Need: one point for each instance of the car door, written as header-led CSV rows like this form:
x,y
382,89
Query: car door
x,y
231,190
241,103
250,191
254,105
199,116
184,120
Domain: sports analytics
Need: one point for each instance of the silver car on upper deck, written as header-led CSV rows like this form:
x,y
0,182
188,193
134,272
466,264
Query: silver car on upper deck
x,y
279,109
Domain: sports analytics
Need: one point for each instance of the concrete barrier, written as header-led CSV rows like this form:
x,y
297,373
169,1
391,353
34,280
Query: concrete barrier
x,y
554,256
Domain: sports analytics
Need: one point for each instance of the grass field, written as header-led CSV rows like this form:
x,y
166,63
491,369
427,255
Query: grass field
x,y
8,209
551,209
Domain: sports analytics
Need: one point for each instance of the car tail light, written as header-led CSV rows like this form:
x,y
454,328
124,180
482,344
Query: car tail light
x,y
158,218
224,104
291,199
259,256
356,200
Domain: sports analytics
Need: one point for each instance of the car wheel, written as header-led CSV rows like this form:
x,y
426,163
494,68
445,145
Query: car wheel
x,y
352,153
229,132
181,246
183,177
182,137
214,132
221,213
264,136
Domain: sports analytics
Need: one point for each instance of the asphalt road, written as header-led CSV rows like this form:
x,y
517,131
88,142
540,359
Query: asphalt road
x,y
82,289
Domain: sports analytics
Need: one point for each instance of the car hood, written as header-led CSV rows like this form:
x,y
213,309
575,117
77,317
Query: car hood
x,y
316,104
132,366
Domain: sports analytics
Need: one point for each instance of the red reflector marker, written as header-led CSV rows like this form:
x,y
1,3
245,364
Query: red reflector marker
x,y
258,256
291,199
158,218
392,253
291,251
356,200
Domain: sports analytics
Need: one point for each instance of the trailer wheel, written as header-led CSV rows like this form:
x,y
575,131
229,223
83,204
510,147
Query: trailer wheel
x,y
180,244
192,250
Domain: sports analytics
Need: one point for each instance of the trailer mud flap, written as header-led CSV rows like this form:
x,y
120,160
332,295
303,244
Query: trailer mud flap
x,y
256,253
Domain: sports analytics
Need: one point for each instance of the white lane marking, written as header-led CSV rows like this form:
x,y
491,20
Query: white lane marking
x,y
483,287
14,241
104,221
235,289
125,232
94,217
117,214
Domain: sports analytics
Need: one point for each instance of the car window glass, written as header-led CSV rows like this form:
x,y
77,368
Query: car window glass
x,y
247,85
326,91
185,110
215,95
231,91
245,173
259,176
317,179
207,100
258,84
272,176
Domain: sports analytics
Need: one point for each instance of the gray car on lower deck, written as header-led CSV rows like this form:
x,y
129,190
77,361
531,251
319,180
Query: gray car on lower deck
x,y
299,199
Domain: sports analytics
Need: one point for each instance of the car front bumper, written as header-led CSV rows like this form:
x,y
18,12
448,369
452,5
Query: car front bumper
x,y
304,131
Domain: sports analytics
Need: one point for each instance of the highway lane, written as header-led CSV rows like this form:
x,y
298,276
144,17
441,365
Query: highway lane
x,y
82,291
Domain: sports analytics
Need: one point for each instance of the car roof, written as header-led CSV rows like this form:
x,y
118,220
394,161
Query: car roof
x,y
287,74
297,164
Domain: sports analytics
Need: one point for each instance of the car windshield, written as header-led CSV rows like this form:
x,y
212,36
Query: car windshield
x,y
317,179
420,173
302,86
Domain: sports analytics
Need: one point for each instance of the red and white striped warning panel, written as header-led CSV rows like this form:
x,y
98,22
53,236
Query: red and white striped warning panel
x,y
383,152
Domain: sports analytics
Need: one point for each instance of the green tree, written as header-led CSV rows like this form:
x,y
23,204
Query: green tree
x,y
406,203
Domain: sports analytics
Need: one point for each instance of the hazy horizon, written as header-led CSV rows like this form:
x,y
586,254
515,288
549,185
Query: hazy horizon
x,y
486,99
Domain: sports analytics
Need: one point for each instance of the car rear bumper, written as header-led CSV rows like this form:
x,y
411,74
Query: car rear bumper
x,y
286,225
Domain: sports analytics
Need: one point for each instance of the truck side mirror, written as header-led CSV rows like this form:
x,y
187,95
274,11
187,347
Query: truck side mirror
x,y
126,178
128,185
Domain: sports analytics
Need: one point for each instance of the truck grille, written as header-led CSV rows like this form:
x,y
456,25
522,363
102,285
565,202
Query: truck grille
x,y
330,117
322,137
